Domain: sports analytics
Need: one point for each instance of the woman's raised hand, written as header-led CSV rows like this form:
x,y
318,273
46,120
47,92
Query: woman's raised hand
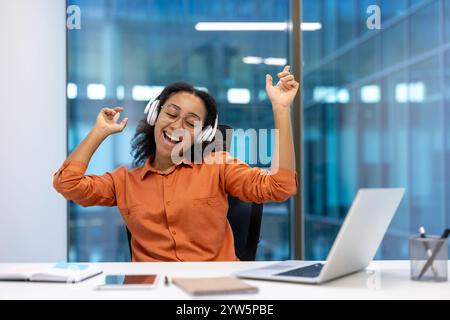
x,y
283,93
107,121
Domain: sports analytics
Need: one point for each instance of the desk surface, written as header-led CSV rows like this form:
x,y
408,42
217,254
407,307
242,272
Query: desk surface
x,y
381,280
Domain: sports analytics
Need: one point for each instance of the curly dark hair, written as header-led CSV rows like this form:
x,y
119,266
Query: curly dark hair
x,y
143,144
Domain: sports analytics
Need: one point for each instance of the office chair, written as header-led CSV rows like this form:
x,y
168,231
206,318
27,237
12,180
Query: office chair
x,y
245,221
244,217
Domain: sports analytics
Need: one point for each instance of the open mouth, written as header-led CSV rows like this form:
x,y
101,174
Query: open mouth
x,y
170,139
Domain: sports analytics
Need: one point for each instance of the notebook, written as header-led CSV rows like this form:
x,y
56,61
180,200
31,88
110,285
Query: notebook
x,y
60,272
209,286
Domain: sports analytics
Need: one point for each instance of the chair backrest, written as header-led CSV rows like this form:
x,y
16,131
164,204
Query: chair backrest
x,y
244,217
245,221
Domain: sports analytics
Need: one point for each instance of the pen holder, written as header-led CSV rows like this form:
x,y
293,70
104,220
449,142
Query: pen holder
x,y
429,258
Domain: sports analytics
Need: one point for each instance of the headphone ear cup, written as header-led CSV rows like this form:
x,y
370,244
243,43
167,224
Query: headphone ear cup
x,y
148,106
152,112
149,118
200,137
205,134
212,131
154,115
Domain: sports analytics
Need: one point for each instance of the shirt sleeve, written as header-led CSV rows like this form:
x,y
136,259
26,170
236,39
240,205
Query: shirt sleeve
x,y
256,184
86,190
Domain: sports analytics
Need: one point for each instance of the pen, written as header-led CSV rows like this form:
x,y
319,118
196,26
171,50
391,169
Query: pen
x,y
427,248
166,281
436,251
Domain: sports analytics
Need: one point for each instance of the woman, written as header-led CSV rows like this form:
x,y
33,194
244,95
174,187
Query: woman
x,y
177,210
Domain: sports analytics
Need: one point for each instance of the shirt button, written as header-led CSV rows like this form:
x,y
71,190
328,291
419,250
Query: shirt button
x,y
168,203
174,232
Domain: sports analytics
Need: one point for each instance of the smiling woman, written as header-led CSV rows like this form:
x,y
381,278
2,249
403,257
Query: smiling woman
x,y
177,210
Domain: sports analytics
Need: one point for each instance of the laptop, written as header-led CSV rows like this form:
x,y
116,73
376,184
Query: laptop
x,y
354,247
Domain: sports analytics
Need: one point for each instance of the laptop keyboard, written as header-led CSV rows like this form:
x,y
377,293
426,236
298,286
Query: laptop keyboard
x,y
311,271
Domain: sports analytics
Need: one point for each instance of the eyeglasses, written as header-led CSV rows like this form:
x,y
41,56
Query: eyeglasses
x,y
171,113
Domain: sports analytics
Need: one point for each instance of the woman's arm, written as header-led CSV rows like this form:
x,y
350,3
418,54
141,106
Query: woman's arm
x,y
281,97
88,190
254,184
105,125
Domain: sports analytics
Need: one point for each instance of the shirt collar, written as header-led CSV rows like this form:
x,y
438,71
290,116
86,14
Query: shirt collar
x,y
148,166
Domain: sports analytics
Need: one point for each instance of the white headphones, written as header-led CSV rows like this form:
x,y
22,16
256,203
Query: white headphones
x,y
151,110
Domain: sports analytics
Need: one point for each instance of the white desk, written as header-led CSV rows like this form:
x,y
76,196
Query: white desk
x,y
382,280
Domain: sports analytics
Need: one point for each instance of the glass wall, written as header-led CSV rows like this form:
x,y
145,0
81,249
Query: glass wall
x,y
126,51
376,115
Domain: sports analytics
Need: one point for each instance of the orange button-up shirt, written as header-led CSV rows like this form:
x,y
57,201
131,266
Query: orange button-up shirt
x,y
181,214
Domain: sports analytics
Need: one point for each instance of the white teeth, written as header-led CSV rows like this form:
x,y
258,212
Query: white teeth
x,y
172,138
